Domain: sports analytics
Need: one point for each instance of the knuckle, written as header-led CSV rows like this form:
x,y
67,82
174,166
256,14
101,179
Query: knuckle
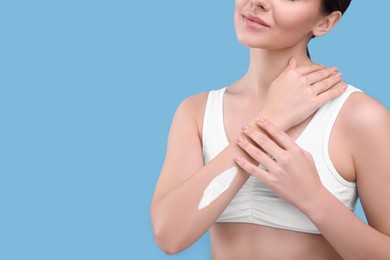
x,y
334,80
323,73
257,155
311,92
244,164
244,144
252,169
270,128
335,92
304,80
261,139
278,134
277,171
297,150
330,71
283,160
320,86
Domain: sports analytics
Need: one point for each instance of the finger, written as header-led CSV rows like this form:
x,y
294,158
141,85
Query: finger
x,y
304,70
267,144
257,154
292,64
319,75
280,137
253,169
327,83
331,93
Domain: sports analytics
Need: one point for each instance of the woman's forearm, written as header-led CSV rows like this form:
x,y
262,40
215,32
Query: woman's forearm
x,y
346,232
177,221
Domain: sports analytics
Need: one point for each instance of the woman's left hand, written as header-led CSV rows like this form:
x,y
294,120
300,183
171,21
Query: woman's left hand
x,y
289,170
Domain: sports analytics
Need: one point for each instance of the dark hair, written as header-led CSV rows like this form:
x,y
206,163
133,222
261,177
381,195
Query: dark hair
x,y
329,6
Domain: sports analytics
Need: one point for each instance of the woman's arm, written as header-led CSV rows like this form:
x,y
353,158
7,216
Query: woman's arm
x,y
294,177
369,139
177,221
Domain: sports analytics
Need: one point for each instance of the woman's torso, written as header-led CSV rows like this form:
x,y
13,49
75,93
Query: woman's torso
x,y
250,241
242,241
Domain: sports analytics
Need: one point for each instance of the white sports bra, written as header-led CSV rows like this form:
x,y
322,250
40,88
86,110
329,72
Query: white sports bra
x,y
255,202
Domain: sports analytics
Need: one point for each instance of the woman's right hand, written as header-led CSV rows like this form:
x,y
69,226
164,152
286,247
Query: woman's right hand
x,y
299,91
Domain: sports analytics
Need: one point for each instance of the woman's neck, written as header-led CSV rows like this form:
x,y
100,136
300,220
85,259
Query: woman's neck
x,y
266,65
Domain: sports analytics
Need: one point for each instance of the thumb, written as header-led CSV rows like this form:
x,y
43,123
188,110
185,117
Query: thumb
x,y
292,64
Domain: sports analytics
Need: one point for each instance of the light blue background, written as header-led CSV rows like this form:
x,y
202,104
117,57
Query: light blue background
x,y
87,93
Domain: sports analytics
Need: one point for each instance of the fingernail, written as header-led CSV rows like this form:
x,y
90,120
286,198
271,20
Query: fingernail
x,y
239,139
244,127
339,74
260,120
237,158
345,87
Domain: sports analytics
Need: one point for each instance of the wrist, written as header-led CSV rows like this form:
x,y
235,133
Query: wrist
x,y
277,120
312,206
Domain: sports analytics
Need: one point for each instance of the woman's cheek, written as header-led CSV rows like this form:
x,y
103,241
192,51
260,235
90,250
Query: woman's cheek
x,y
298,20
241,2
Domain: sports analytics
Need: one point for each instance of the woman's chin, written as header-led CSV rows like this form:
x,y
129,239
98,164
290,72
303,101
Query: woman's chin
x,y
250,43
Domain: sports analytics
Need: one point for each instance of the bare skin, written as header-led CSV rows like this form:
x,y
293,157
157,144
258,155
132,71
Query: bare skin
x,y
176,220
293,177
249,241
283,100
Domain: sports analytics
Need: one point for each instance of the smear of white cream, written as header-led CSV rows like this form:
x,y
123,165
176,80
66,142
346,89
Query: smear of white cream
x,y
217,186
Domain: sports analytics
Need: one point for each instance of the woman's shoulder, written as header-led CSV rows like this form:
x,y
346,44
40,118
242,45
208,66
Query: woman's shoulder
x,y
194,102
195,105
193,109
362,115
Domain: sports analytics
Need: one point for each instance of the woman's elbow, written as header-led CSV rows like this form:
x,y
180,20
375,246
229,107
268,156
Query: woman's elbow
x,y
166,238
170,246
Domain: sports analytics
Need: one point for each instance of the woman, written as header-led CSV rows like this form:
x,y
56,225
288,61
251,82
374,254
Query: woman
x,y
272,164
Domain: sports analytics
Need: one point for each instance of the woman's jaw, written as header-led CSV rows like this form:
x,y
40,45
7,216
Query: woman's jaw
x,y
282,27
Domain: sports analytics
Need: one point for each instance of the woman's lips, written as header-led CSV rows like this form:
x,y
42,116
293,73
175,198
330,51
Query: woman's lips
x,y
254,22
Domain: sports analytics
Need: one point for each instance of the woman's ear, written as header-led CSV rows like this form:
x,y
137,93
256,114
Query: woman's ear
x,y
327,23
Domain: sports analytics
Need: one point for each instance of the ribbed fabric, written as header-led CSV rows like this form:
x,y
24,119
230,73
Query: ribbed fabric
x,y
255,202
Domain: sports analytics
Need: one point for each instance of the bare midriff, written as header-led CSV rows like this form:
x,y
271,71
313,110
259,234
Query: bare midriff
x,y
233,241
